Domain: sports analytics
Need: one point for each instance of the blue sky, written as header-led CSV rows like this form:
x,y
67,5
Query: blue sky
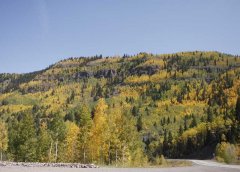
x,y
37,33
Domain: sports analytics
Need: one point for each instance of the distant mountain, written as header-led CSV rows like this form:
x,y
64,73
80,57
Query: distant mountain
x,y
128,109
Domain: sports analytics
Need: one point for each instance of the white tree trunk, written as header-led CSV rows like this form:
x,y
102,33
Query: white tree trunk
x,y
50,153
56,151
109,153
116,155
84,155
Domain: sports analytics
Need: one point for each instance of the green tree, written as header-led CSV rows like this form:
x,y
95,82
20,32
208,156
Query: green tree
x,y
238,109
58,132
83,116
85,124
135,111
13,128
194,122
226,152
180,130
3,138
26,139
185,123
43,143
139,123
209,114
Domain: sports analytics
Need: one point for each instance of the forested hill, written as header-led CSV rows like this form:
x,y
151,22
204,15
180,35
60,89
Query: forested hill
x,y
121,110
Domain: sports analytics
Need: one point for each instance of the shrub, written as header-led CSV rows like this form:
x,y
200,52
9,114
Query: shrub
x,y
160,160
219,159
226,152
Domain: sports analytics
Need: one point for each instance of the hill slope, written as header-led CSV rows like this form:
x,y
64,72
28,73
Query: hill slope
x,y
128,109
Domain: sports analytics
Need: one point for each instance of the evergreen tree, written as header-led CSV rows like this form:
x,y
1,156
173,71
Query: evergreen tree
x,y
69,116
168,120
185,123
209,114
135,111
194,122
139,123
238,109
170,137
180,130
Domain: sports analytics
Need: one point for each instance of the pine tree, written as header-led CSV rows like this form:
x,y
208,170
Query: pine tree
x,y
170,137
185,123
69,116
238,109
194,122
168,120
180,130
209,114
135,111
139,123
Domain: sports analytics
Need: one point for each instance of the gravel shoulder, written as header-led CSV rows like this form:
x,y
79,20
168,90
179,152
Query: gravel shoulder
x,y
198,166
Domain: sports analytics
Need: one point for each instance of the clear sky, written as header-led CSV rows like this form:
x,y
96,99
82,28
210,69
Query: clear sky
x,y
37,33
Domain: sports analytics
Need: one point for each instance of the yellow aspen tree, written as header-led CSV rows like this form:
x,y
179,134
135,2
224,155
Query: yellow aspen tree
x,y
71,142
3,138
98,139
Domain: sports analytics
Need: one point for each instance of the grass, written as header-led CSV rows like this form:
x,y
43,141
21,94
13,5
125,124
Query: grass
x,y
169,163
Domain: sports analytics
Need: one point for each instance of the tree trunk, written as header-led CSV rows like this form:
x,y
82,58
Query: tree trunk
x,y
84,155
116,156
91,156
50,153
109,153
123,157
100,154
56,151
1,155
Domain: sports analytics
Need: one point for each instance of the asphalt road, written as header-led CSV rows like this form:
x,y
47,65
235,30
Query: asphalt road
x,y
198,166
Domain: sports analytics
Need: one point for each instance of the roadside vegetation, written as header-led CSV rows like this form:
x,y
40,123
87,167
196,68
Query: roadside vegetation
x,y
228,153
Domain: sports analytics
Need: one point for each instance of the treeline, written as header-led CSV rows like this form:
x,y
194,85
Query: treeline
x,y
103,137
111,136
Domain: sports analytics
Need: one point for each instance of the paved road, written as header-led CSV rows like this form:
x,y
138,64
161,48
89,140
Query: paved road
x,y
214,164
198,166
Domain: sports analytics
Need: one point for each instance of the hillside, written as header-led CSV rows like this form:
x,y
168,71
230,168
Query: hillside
x,y
122,110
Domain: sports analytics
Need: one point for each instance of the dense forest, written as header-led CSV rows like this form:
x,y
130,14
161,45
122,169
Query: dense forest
x,y
126,110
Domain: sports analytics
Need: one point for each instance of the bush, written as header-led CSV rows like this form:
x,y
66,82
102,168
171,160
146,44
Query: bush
x,y
219,159
160,160
226,152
